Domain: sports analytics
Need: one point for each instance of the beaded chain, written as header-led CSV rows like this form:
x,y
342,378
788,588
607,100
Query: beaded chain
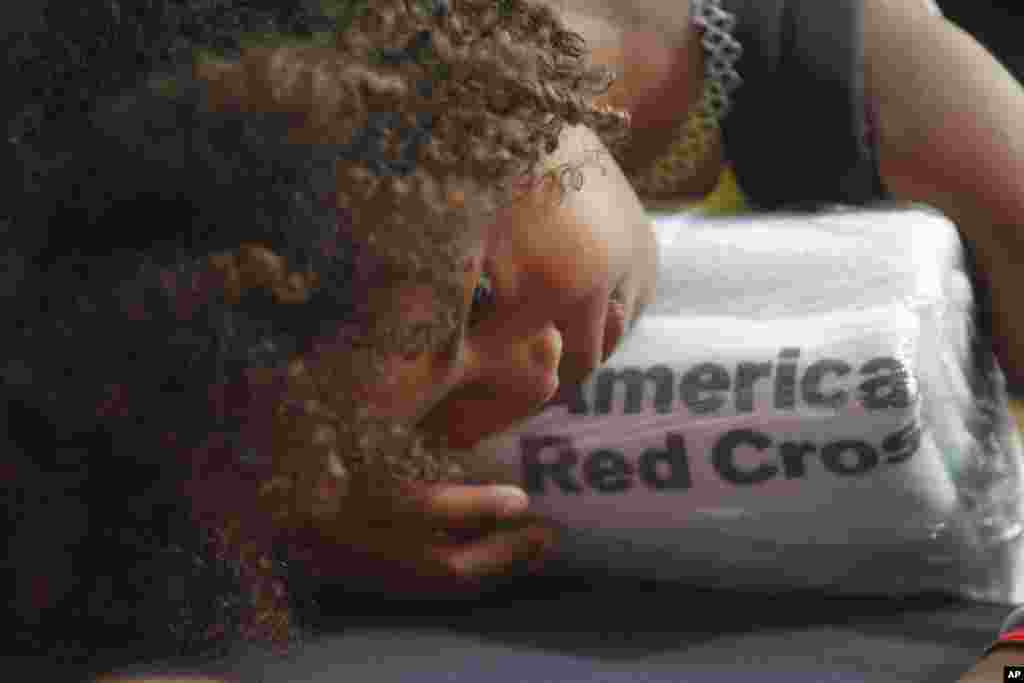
x,y
670,172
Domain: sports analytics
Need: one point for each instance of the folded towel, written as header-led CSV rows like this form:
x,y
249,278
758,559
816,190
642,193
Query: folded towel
x,y
806,405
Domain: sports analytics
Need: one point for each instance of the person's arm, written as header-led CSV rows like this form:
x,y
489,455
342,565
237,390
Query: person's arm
x,y
989,668
951,124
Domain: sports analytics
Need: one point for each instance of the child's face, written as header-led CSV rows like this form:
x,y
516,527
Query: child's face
x,y
553,268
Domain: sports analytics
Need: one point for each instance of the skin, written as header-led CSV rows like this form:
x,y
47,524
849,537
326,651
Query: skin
x,y
554,262
965,160
659,76
951,137
989,669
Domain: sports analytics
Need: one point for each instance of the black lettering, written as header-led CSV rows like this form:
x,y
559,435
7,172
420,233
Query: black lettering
x,y
723,457
904,444
890,390
706,377
747,375
832,457
634,380
794,455
811,384
608,471
674,459
785,379
534,471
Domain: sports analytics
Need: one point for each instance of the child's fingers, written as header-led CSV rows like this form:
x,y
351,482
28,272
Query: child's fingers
x,y
414,560
499,553
457,507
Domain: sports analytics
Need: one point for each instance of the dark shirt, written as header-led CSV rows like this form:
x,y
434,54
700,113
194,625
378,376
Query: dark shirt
x,y
799,131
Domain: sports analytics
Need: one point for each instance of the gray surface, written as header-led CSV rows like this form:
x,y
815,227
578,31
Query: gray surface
x,y
608,630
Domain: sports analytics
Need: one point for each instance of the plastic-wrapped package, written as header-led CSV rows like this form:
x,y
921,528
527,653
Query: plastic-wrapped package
x,y
807,404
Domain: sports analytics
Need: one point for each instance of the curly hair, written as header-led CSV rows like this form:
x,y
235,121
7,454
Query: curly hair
x,y
190,172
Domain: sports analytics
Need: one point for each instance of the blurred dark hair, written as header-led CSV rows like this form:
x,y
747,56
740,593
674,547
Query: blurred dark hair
x,y
111,181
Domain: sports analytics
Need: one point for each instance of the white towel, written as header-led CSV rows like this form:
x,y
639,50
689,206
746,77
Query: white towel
x,y
804,385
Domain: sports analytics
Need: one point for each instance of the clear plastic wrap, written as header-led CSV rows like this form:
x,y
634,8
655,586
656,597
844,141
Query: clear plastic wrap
x,y
808,404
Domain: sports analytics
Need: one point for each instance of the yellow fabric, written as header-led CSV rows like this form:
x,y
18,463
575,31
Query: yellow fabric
x,y
725,199
1017,408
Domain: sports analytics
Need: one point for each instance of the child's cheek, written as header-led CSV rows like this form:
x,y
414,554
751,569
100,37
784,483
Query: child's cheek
x,y
406,380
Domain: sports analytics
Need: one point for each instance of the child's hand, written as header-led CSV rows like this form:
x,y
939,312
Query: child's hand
x,y
435,539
